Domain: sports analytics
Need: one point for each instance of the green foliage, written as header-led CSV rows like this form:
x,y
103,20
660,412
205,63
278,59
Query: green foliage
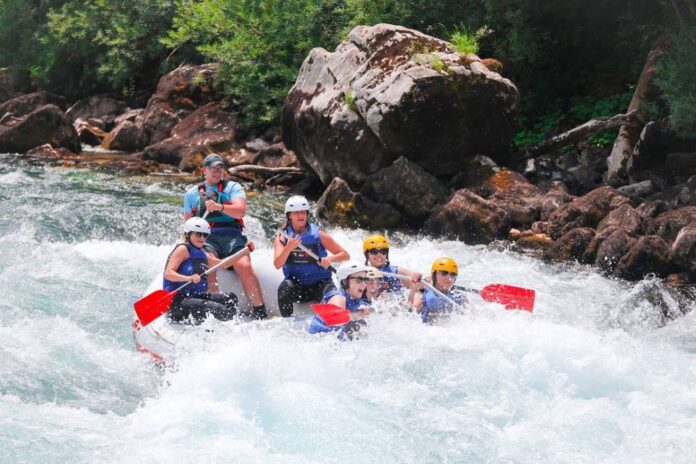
x,y
534,133
430,59
466,42
22,22
431,17
676,79
349,99
118,39
561,117
259,43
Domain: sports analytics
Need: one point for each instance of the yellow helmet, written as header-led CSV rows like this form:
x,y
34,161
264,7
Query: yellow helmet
x,y
375,241
445,264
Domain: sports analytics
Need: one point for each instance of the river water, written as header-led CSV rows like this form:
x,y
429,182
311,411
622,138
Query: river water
x,y
594,375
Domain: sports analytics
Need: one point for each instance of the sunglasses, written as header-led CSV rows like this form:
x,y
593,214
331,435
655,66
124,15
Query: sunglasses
x,y
361,280
446,273
200,234
376,251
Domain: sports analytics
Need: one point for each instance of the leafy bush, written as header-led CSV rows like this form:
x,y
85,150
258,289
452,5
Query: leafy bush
x,y
104,44
260,45
675,78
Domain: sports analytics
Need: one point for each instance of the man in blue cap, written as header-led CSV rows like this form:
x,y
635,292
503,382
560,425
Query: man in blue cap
x,y
222,203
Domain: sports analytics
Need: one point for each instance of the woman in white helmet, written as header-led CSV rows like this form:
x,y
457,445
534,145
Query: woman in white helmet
x,y
306,279
353,278
186,263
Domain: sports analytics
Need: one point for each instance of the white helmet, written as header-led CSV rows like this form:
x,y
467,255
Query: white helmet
x,y
349,268
196,224
374,273
296,203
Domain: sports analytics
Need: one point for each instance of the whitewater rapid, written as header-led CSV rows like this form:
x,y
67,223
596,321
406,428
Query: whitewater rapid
x,y
595,374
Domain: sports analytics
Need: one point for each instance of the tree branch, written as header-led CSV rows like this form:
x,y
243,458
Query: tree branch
x,y
593,126
263,170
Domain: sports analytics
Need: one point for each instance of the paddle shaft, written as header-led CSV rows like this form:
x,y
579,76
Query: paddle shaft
x,y
427,284
244,252
305,249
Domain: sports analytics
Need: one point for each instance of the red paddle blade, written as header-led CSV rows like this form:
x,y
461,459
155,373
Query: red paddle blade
x,y
331,314
510,296
152,306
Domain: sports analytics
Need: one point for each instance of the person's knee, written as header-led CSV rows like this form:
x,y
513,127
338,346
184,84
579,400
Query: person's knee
x,y
243,267
286,297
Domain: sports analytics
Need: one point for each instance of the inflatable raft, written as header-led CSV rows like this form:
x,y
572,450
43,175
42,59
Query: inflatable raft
x,y
159,338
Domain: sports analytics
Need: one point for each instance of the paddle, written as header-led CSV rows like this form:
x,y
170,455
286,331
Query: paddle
x,y
305,249
152,306
508,295
332,315
427,284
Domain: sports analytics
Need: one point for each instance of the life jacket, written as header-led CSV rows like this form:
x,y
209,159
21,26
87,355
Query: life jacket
x,y
434,306
299,265
196,263
389,284
219,222
352,304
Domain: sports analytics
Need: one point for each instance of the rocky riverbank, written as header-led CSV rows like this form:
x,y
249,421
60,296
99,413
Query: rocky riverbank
x,y
394,129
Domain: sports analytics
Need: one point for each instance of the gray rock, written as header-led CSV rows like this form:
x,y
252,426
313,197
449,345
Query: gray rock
x,y
389,91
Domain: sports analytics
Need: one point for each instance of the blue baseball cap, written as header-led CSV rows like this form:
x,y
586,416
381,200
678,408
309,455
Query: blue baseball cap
x,y
213,160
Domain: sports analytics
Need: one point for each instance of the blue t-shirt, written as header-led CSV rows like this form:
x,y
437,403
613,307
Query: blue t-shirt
x,y
192,196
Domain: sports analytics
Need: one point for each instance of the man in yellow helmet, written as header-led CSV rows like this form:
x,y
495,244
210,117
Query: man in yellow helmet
x,y
376,249
431,306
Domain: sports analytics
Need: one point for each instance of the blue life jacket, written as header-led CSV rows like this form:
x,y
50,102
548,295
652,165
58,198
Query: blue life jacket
x,y
435,306
299,265
352,304
220,223
389,284
196,263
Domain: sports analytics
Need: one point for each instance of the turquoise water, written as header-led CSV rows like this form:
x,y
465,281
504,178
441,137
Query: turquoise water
x,y
594,375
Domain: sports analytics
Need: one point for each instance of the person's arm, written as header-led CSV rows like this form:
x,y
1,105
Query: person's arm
x,y
177,257
188,206
236,208
338,252
415,276
237,205
338,300
281,251
415,297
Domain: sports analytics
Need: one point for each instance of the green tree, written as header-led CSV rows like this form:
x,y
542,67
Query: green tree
x,y
104,45
676,80
260,45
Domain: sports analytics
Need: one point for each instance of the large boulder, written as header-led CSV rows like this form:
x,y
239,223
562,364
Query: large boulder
x,y
570,246
610,250
585,211
275,156
388,91
410,189
123,137
97,106
344,207
470,218
515,195
209,128
683,251
178,94
48,124
648,255
668,224
556,197
88,133
624,217
27,103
